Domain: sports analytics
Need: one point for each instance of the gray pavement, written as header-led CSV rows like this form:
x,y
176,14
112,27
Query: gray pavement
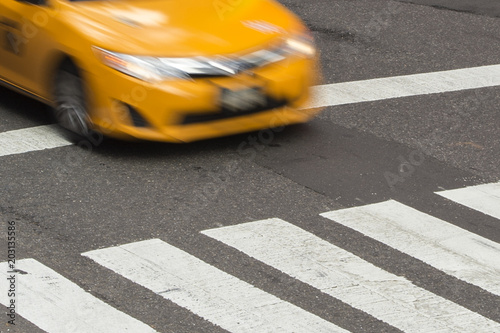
x,y
67,201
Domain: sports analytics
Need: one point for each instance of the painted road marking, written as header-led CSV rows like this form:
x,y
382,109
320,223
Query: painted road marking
x,y
484,198
208,292
49,136
453,250
57,305
32,139
405,86
341,274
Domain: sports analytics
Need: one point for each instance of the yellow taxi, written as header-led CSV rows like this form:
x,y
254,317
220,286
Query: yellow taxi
x,y
163,70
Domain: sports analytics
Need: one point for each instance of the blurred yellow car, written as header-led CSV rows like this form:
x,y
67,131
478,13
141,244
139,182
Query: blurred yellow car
x,y
164,70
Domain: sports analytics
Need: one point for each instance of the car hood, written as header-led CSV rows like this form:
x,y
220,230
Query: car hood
x,y
181,28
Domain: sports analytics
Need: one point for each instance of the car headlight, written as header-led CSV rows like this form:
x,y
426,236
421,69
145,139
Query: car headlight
x,y
302,44
149,69
152,69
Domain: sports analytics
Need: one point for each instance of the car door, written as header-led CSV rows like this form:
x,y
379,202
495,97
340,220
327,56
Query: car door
x,y
25,42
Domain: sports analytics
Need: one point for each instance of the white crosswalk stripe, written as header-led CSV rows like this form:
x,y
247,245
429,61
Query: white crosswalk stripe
x,y
57,305
32,139
453,250
404,86
205,290
341,274
49,136
484,198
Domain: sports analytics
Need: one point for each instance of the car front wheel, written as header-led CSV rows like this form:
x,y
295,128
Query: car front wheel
x,y
70,106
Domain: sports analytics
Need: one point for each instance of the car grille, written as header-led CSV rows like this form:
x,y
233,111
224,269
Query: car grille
x,y
227,114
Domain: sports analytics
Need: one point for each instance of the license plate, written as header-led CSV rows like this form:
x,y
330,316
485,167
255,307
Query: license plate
x,y
241,100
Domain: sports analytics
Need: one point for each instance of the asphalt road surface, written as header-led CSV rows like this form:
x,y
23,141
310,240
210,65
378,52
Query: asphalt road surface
x,y
149,237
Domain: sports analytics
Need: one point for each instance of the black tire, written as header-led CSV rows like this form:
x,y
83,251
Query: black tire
x,y
70,109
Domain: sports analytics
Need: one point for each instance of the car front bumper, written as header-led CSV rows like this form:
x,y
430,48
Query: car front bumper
x,y
190,110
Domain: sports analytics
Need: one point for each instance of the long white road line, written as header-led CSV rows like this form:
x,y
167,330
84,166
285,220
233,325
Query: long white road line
x,y
484,198
453,250
32,139
47,137
405,86
341,274
57,305
205,290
